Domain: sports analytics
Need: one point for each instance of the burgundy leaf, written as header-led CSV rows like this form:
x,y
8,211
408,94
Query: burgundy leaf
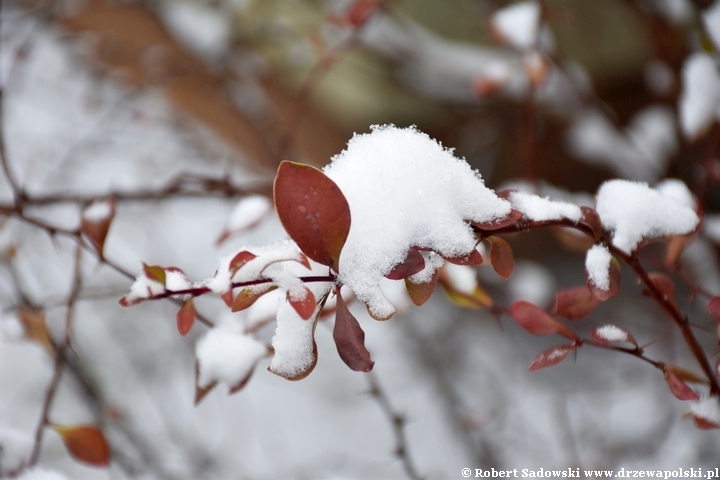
x,y
591,220
501,257
575,303
550,357
679,388
304,305
95,227
513,217
534,319
665,285
350,339
239,260
473,258
413,263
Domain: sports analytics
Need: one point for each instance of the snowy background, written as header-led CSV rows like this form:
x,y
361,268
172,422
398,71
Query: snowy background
x,y
127,98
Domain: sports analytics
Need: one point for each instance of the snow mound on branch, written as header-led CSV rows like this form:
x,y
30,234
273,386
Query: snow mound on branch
x,y
541,209
597,264
405,189
635,212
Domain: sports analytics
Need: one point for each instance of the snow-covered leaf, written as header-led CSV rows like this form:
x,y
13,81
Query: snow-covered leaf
x,y
95,223
609,334
514,217
303,301
421,292
603,273
550,357
413,263
240,259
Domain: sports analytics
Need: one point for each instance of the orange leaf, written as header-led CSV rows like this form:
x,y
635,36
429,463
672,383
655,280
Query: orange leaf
x,y
85,443
304,305
95,223
501,257
550,357
248,296
186,317
413,263
420,292
239,260
36,328
534,319
575,303
313,211
350,339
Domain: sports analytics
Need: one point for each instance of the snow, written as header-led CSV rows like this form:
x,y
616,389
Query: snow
x,y
541,209
635,212
98,211
518,24
176,280
711,21
711,227
462,278
38,473
203,29
404,190
11,329
143,287
597,264
227,355
15,448
531,281
433,262
700,94
611,333
707,409
248,212
676,189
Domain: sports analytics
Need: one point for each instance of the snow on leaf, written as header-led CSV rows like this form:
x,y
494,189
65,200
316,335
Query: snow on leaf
x,y
145,286
248,213
350,339
474,258
303,301
518,24
514,217
550,357
421,292
247,296
705,412
405,190
501,257
414,262
575,303
240,259
313,210
609,334
85,443
186,317
603,272
635,212
227,355
542,209
534,320
95,222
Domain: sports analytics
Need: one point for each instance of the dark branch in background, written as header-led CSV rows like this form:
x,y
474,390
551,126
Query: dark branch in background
x,y
397,421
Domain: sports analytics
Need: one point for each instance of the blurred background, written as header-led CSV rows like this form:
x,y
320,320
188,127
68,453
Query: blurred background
x,y
179,109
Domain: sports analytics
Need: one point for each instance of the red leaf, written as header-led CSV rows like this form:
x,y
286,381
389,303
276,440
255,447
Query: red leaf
x,y
155,272
239,260
85,443
614,272
473,258
501,257
534,319
420,292
186,317
609,334
591,220
304,305
248,296
703,424
227,297
513,217
575,303
95,223
678,387
665,285
313,211
350,339
551,356
413,263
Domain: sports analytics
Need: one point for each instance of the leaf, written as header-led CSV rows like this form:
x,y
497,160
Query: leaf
x,y
95,223
421,292
534,319
201,392
155,272
513,217
501,257
703,424
714,310
609,334
678,387
675,247
313,211
186,317
239,260
350,339
227,297
614,272
472,259
303,303
36,328
85,443
575,303
685,375
241,384
550,357
247,296
665,285
591,220
413,263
